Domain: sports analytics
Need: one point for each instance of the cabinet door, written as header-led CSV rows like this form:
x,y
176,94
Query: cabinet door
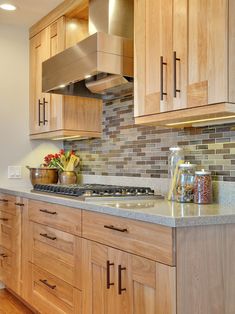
x,y
152,286
57,44
39,52
207,52
153,56
101,280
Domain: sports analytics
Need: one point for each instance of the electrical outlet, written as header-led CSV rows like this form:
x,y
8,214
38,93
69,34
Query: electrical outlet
x,y
14,172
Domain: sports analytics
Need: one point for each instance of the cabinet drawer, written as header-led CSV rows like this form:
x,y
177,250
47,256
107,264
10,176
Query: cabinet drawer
x,y
8,203
56,251
49,294
60,217
145,239
6,258
7,230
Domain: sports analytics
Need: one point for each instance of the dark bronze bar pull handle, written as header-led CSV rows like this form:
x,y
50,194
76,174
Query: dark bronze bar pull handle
x,y
108,275
39,112
44,111
44,281
162,93
19,204
120,269
47,211
175,59
47,236
3,200
4,219
115,228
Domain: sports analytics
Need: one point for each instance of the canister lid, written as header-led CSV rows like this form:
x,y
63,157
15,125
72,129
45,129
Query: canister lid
x,y
175,148
187,165
202,172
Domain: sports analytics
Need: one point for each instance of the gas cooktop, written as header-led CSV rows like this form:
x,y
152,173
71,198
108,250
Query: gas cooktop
x,y
94,190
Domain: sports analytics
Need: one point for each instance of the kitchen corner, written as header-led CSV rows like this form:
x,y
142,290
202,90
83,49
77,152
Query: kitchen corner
x,y
109,102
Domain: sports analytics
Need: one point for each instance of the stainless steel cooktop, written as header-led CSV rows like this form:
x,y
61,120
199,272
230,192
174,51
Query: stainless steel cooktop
x,y
93,191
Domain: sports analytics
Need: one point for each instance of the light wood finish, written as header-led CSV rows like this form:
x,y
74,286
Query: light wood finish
x,y
10,304
55,251
60,217
7,203
208,47
59,297
189,116
71,8
231,26
141,278
202,34
153,241
39,52
76,30
10,242
205,269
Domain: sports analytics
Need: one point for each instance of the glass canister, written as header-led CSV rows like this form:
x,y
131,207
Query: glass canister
x,y
176,156
203,187
185,183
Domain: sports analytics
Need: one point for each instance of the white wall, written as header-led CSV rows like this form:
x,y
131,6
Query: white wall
x,y
15,146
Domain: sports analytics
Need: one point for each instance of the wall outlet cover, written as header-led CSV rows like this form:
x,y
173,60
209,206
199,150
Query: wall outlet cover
x,y
14,172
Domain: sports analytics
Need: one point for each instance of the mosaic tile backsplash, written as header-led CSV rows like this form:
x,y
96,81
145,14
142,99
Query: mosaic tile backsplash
x,y
126,149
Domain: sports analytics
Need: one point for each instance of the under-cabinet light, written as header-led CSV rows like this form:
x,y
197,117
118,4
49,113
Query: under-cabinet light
x,y
203,122
67,138
7,7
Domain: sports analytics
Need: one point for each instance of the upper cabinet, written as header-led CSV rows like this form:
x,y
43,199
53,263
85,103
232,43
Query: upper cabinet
x,y
184,61
57,116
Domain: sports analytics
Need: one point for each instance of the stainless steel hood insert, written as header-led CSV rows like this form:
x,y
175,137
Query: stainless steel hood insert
x,y
99,53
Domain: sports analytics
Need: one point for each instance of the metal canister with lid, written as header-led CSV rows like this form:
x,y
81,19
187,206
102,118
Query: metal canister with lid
x,y
203,187
185,183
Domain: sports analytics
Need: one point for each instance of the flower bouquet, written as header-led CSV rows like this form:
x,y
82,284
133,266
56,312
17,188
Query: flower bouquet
x,y
66,162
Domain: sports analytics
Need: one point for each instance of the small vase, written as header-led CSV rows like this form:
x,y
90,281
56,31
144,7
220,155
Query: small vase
x,y
68,177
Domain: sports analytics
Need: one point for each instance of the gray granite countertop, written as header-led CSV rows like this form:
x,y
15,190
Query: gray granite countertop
x,y
156,211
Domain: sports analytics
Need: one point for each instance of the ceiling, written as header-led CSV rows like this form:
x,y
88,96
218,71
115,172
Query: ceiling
x,y
28,11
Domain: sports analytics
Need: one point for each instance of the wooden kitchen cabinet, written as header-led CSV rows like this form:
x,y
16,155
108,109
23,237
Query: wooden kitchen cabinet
x,y
118,282
10,241
57,116
184,60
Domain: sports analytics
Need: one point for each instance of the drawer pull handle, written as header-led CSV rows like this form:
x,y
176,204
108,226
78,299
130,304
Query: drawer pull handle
x,y
115,228
120,269
3,200
3,219
45,235
47,212
108,275
19,204
44,281
3,255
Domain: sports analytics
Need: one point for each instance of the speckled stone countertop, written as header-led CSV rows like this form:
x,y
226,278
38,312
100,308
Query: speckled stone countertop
x,y
156,211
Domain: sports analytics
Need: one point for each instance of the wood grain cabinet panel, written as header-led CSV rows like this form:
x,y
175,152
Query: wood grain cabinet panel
x,y
60,217
57,252
49,294
195,40
118,282
149,240
10,241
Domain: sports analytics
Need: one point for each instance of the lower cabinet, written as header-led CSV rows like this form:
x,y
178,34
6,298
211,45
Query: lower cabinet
x,y
49,294
118,282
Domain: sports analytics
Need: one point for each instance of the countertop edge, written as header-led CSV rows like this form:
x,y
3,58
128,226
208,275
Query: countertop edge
x,y
125,213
